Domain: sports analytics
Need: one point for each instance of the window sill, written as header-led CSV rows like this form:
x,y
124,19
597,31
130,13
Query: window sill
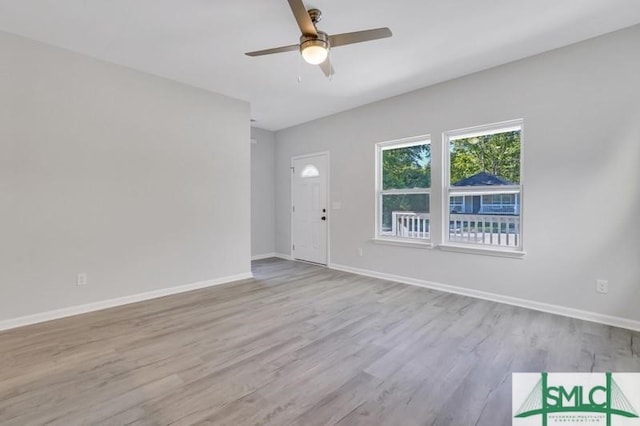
x,y
402,242
486,251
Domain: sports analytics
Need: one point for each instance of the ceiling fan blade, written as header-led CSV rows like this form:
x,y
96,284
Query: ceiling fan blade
x,y
302,18
274,50
359,36
327,68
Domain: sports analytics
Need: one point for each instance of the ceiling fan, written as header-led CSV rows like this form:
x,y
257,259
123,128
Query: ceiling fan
x,y
314,45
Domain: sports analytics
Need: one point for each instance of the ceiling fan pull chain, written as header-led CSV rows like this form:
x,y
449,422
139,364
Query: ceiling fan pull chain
x,y
299,69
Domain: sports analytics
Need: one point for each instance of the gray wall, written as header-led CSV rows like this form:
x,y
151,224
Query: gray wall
x,y
262,192
138,181
581,113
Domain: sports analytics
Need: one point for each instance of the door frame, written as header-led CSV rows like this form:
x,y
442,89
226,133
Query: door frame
x,y
327,154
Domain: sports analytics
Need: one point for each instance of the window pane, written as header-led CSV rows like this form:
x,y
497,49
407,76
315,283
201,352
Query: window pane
x,y
309,171
492,159
406,167
405,215
500,204
457,204
486,219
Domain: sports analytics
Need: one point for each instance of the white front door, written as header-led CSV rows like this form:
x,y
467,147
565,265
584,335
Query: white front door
x,y
309,210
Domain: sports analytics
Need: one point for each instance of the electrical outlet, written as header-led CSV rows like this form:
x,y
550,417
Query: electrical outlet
x,y
602,286
82,278
360,252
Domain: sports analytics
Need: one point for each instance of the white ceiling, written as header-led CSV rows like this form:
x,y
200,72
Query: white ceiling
x,y
202,43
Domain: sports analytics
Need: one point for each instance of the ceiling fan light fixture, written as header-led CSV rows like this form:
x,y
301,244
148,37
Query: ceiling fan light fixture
x,y
314,51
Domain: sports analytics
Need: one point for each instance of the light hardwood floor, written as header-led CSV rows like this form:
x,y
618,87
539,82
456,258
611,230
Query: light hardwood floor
x,y
299,344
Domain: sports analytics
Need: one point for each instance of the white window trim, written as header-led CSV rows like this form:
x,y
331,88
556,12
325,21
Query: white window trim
x,y
482,250
402,242
448,190
486,129
387,239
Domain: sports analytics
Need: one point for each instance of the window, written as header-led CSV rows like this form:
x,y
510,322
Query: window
x,y
309,171
480,196
403,187
457,204
500,204
483,187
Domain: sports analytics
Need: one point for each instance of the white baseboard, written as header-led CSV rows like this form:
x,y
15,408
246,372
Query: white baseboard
x,y
264,256
284,256
523,303
269,255
119,301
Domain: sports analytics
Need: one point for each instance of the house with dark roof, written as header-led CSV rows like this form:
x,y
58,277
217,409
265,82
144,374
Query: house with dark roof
x,y
494,203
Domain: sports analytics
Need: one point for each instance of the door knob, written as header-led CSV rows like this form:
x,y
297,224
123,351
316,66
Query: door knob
x,y
323,218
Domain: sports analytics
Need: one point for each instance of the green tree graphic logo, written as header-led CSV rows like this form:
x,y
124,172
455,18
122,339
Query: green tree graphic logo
x,y
544,400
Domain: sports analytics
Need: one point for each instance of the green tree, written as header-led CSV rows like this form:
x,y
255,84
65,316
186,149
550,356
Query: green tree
x,y
405,168
497,154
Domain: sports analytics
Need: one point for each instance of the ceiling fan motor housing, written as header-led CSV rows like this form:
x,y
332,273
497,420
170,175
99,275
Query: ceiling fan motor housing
x,y
322,40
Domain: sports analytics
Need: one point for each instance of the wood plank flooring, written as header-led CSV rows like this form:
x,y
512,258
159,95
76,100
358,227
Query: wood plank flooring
x,y
301,345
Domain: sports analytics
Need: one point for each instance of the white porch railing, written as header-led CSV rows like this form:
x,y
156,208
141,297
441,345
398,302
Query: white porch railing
x,y
484,229
495,230
410,225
